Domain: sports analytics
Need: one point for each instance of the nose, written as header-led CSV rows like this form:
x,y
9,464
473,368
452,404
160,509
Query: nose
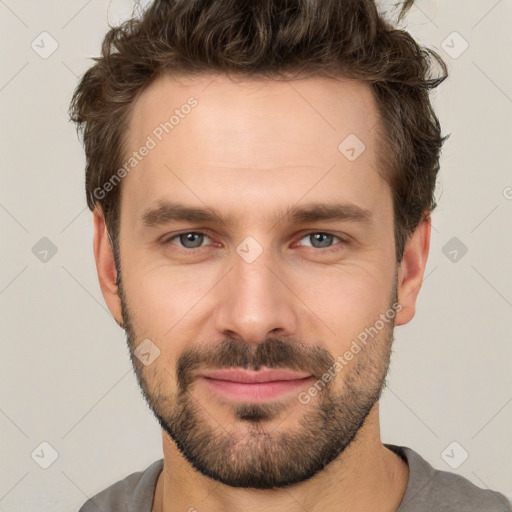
x,y
255,302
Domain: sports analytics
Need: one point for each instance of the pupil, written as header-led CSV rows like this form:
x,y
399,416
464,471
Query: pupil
x,y
188,240
322,238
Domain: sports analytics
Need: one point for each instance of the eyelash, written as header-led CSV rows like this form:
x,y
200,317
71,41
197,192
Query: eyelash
x,y
334,247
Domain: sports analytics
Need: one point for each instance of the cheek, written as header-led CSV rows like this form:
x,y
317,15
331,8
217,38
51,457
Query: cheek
x,y
162,299
333,301
346,298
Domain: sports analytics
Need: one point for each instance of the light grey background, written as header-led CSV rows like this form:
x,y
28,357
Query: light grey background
x,y
65,372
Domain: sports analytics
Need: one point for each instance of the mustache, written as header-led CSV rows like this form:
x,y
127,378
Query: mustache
x,y
276,353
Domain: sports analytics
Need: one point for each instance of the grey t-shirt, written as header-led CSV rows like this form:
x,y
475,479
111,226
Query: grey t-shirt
x,y
428,490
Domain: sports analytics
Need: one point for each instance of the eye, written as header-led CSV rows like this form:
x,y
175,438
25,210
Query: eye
x,y
195,240
320,240
189,239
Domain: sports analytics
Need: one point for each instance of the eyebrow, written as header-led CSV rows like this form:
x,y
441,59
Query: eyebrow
x,y
167,211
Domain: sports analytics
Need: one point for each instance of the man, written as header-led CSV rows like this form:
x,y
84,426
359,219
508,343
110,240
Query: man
x,y
261,176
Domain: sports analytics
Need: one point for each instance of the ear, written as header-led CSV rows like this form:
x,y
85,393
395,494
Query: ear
x,y
411,270
105,266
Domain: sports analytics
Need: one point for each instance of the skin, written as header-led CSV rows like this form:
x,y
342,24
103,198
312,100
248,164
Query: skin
x,y
252,150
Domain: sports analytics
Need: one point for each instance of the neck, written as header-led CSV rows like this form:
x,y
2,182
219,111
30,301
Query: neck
x,y
366,476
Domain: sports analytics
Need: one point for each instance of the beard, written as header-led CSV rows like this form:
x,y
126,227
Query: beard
x,y
249,452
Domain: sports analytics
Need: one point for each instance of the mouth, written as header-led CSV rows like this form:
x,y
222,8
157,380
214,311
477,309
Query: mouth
x,y
254,386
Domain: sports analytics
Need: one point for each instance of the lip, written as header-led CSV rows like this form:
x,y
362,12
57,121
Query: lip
x,y
254,386
253,376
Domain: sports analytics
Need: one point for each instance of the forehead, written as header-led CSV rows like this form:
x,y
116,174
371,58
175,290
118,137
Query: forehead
x,y
218,140
315,112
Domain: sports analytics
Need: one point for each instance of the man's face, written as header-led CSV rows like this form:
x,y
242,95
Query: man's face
x,y
260,282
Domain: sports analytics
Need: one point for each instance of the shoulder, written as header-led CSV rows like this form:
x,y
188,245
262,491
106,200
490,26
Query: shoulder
x,y
133,493
432,489
453,493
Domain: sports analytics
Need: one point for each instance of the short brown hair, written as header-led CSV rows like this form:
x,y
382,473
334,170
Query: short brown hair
x,y
276,39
